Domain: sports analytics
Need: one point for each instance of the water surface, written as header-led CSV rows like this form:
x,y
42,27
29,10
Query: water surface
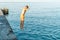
x,y
42,21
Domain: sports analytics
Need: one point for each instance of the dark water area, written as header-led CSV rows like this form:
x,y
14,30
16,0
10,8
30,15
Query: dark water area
x,y
42,21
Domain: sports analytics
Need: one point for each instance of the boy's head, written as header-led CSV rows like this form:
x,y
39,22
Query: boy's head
x,y
27,6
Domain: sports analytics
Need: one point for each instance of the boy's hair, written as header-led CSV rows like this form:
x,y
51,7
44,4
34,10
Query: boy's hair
x,y
27,6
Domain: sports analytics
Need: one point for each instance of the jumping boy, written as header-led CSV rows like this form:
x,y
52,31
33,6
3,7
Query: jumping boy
x,y
22,16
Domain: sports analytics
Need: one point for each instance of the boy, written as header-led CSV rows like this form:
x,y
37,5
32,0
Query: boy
x,y
22,16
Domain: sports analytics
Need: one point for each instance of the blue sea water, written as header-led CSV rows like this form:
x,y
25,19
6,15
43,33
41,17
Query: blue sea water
x,y
42,20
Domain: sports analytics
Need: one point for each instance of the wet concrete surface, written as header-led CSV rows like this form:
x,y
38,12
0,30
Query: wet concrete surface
x,y
6,32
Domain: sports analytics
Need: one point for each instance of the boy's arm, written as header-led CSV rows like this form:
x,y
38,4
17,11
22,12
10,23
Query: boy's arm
x,y
25,11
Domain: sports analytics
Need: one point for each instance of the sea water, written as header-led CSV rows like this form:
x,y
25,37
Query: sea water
x,y
42,20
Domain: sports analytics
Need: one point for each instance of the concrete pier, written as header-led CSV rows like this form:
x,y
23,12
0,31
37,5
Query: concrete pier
x,y
6,32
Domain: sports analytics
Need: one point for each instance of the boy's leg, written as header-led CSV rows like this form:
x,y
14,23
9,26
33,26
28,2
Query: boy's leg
x,y
21,24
